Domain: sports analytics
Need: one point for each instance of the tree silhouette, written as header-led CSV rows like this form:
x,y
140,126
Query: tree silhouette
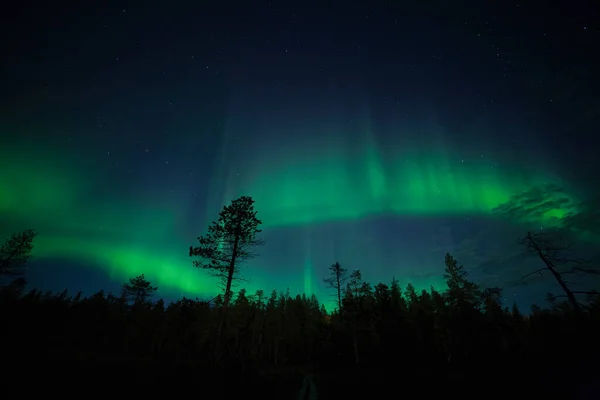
x,y
138,290
336,281
15,252
461,291
229,241
271,342
558,261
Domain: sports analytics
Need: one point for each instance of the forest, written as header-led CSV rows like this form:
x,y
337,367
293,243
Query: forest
x,y
380,340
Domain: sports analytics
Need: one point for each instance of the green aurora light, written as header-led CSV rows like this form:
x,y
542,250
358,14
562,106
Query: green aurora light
x,y
295,187
302,187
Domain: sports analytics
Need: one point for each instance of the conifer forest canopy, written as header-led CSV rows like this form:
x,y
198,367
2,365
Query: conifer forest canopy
x,y
380,137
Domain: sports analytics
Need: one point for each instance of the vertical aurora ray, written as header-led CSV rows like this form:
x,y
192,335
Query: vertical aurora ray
x,y
308,267
373,165
304,185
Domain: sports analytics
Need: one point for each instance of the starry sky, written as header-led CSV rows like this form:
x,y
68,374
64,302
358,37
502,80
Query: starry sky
x,y
378,134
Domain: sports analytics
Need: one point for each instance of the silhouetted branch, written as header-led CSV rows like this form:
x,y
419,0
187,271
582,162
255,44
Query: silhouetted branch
x,y
557,296
539,271
587,270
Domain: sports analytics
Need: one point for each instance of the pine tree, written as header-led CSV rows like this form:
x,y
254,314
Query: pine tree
x,y
382,295
15,252
229,241
397,301
355,284
461,292
138,289
337,279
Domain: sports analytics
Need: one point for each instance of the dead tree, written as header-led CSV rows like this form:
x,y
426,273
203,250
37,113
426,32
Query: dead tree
x,y
558,262
337,280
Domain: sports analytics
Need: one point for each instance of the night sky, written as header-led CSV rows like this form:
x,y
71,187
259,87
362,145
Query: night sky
x,y
378,134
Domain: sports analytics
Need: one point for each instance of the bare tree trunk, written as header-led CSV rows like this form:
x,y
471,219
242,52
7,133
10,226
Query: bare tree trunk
x,y
231,268
230,272
552,268
564,286
339,292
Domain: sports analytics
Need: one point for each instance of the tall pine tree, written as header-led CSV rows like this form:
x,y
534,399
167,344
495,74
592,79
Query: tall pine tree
x,y
229,241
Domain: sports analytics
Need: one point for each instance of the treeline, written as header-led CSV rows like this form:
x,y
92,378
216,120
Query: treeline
x,y
382,340
385,338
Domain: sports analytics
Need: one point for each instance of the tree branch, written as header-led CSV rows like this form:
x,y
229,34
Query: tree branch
x,y
539,271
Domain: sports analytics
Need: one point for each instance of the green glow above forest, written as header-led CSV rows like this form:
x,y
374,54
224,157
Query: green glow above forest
x,y
130,232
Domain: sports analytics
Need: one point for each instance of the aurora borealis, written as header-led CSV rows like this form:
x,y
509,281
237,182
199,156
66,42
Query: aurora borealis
x,y
379,138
